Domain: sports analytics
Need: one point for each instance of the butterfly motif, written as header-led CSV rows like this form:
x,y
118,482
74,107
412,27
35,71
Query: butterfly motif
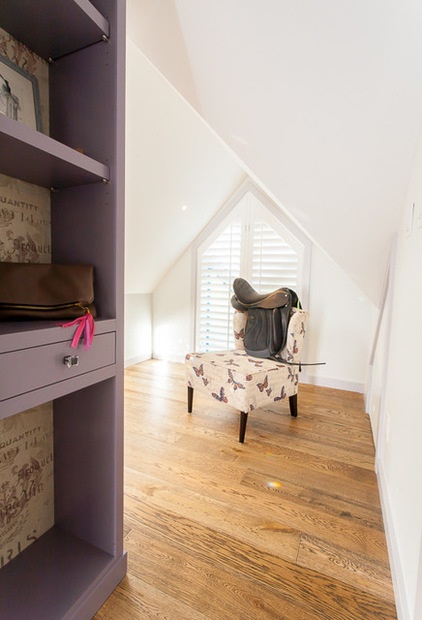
x,y
239,335
205,381
231,362
236,384
292,376
262,386
295,349
222,397
289,356
199,371
302,329
282,394
249,377
252,361
188,356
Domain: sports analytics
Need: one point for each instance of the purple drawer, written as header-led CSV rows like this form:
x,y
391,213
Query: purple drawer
x,y
25,370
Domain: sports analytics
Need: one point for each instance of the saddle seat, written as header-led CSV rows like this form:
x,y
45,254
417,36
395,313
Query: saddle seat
x,y
245,297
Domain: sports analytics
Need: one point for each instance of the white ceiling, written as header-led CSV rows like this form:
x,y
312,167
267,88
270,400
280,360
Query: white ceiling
x,y
322,100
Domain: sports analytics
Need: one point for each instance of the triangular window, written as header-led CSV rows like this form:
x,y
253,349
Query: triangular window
x,y
254,240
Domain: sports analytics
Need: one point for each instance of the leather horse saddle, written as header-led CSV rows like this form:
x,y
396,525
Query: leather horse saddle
x,y
246,297
268,317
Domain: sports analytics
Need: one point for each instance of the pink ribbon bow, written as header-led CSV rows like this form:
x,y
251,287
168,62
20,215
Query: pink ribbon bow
x,y
86,326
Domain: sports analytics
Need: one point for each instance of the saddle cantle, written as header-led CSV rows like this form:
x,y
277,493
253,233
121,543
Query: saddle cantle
x,y
246,297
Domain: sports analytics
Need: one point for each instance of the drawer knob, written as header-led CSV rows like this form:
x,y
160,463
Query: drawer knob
x,y
71,360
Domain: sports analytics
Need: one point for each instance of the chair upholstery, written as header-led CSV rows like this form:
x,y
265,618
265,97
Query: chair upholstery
x,y
247,383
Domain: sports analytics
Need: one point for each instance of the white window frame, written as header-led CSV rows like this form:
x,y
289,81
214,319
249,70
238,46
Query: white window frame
x,y
222,220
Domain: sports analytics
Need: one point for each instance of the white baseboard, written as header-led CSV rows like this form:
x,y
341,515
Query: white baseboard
x,y
403,611
338,384
136,360
180,359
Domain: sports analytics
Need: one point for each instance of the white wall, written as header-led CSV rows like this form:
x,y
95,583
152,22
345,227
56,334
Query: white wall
x,y
178,173
342,322
399,455
377,370
172,318
138,334
156,25
418,603
341,326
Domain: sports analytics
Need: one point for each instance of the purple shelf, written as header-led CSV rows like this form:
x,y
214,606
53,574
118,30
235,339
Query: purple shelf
x,y
62,27
36,158
16,335
49,580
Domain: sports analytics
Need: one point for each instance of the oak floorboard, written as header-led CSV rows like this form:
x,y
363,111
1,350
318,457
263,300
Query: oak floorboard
x,y
135,598
208,552
214,590
287,525
308,498
195,471
358,570
276,423
318,521
211,512
263,505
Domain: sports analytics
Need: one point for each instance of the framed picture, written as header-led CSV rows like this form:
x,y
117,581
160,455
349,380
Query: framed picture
x,y
19,97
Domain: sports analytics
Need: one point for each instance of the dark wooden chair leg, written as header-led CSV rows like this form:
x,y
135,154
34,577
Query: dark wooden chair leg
x,y
243,422
293,405
190,398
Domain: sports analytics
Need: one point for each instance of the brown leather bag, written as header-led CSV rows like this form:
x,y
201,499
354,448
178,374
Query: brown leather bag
x,y
46,291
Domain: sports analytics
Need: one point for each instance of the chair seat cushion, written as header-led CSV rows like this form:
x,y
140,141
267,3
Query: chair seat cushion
x,y
236,378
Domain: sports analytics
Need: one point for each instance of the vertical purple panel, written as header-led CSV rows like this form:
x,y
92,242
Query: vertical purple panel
x,y
85,438
87,111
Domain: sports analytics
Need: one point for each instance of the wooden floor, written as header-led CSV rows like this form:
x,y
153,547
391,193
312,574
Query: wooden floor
x,y
286,526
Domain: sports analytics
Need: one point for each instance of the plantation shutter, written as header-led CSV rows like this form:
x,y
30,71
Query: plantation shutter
x,y
219,265
273,262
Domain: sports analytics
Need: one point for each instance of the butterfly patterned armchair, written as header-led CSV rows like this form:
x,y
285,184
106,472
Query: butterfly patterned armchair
x,y
245,382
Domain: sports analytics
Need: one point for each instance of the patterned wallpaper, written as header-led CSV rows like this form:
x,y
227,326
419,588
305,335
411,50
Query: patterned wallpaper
x,y
24,222
26,479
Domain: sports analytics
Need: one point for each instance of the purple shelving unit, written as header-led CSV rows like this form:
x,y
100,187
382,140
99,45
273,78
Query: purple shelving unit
x,y
71,570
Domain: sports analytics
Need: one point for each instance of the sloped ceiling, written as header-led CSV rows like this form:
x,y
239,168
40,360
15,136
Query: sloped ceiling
x,y
322,100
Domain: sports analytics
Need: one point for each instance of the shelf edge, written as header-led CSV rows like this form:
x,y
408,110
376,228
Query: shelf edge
x,y
43,145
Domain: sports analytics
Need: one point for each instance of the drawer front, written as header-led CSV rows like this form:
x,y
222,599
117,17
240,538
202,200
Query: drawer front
x,y
29,369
